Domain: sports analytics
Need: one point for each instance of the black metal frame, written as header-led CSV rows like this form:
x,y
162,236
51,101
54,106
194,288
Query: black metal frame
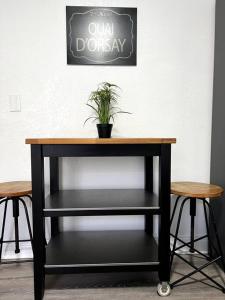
x,y
15,204
38,152
192,241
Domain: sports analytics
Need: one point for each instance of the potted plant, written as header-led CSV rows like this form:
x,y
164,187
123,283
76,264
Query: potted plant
x,y
104,101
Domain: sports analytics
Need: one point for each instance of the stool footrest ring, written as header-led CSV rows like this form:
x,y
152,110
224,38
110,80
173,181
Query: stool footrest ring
x,y
13,241
187,244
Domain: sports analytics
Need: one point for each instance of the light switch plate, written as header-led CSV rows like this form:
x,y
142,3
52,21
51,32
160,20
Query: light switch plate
x,y
14,103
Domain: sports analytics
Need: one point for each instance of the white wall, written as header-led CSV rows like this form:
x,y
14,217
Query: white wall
x,y
169,93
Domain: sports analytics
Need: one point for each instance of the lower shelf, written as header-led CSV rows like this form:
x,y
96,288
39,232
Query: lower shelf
x,y
101,251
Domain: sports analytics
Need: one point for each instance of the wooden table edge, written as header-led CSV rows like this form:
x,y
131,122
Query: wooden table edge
x,y
97,141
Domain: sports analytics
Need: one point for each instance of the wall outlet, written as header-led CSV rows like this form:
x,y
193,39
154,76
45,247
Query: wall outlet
x,y
14,103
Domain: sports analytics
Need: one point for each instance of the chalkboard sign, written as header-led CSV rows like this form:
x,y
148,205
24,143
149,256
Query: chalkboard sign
x,y
101,35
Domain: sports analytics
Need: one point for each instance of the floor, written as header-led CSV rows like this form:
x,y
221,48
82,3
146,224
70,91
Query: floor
x,y
16,283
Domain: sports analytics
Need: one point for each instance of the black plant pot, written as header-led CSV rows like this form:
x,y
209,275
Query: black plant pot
x,y
104,130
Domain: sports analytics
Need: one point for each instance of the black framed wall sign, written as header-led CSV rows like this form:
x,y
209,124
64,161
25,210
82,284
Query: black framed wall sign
x,y
101,35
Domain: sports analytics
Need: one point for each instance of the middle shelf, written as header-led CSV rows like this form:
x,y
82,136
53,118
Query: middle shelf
x,y
101,202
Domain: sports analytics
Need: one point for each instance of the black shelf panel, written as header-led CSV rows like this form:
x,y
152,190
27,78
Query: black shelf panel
x,y
101,202
101,251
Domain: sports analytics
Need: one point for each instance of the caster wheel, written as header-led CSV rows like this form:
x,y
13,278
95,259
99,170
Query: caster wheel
x,y
163,289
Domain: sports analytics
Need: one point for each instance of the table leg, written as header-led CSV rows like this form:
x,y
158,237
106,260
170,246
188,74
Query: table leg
x,y
37,165
54,187
164,222
149,187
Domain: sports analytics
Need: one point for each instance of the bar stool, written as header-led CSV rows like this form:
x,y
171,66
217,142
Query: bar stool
x,y
192,191
13,191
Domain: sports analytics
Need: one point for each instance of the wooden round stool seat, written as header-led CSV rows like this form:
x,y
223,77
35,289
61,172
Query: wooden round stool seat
x,y
196,189
15,188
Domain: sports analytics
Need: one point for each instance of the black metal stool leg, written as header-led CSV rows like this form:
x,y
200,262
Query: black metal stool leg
x,y
216,233
28,221
174,210
207,230
177,230
218,251
192,214
3,227
15,216
197,269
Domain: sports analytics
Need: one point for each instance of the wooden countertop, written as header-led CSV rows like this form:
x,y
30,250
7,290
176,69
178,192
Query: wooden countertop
x,y
91,141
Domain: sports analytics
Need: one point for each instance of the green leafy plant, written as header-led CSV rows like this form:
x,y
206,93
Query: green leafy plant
x,y
104,103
